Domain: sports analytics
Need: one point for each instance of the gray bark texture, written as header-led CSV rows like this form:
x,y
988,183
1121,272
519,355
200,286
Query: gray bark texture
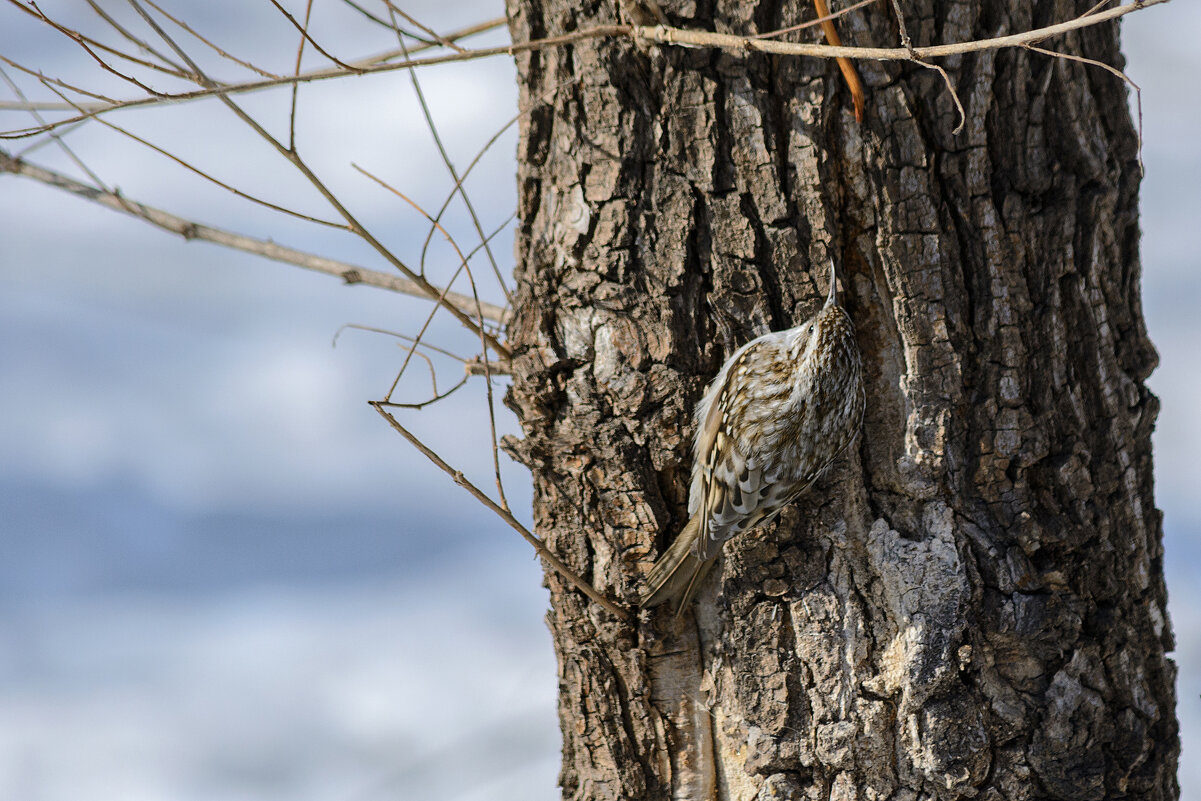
x,y
970,603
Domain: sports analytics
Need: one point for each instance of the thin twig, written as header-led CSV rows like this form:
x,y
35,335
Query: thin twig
x,y
462,267
951,89
412,340
175,69
665,35
500,487
660,34
539,546
104,65
51,137
418,405
393,10
308,11
545,98
349,273
454,36
46,79
811,23
410,352
845,65
907,43
38,105
450,167
212,178
1138,90
429,320
429,363
367,14
352,222
305,33
54,135
211,45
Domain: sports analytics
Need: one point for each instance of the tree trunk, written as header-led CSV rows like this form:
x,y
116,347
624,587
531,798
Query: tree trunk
x,y
970,603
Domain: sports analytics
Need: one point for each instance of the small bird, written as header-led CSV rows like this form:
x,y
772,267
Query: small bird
x,y
779,411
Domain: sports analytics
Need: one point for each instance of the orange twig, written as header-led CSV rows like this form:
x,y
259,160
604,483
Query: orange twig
x,y
848,69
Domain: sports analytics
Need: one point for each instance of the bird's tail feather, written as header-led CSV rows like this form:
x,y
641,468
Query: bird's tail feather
x,y
679,571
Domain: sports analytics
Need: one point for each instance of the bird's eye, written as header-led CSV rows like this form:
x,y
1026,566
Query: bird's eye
x,y
810,329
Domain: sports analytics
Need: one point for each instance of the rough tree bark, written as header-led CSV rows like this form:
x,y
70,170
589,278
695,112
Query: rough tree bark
x,y
969,604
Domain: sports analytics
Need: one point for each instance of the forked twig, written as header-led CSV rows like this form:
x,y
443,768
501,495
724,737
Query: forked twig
x,y
55,136
212,46
174,69
907,43
500,487
439,38
545,98
76,37
304,31
555,562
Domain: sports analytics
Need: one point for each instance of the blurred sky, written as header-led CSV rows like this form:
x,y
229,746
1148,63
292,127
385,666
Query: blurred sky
x,y
223,576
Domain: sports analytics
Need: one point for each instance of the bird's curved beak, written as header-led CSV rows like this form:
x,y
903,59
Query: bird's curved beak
x,y
832,298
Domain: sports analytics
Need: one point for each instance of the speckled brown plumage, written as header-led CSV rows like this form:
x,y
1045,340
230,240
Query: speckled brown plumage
x,y
779,411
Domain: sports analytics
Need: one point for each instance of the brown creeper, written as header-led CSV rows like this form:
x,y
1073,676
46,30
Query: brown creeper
x,y
781,409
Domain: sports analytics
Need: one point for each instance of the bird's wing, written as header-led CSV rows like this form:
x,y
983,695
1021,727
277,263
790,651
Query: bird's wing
x,y
728,484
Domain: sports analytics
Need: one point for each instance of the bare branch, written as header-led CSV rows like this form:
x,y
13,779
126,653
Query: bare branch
x,y
48,81
175,69
413,349
308,13
907,43
352,222
660,34
212,46
412,340
946,77
87,48
368,15
463,265
555,562
212,178
392,9
725,41
305,33
54,136
349,273
450,167
455,36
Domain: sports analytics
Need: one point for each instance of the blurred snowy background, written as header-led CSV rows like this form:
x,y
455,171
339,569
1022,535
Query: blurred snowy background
x,y
222,576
